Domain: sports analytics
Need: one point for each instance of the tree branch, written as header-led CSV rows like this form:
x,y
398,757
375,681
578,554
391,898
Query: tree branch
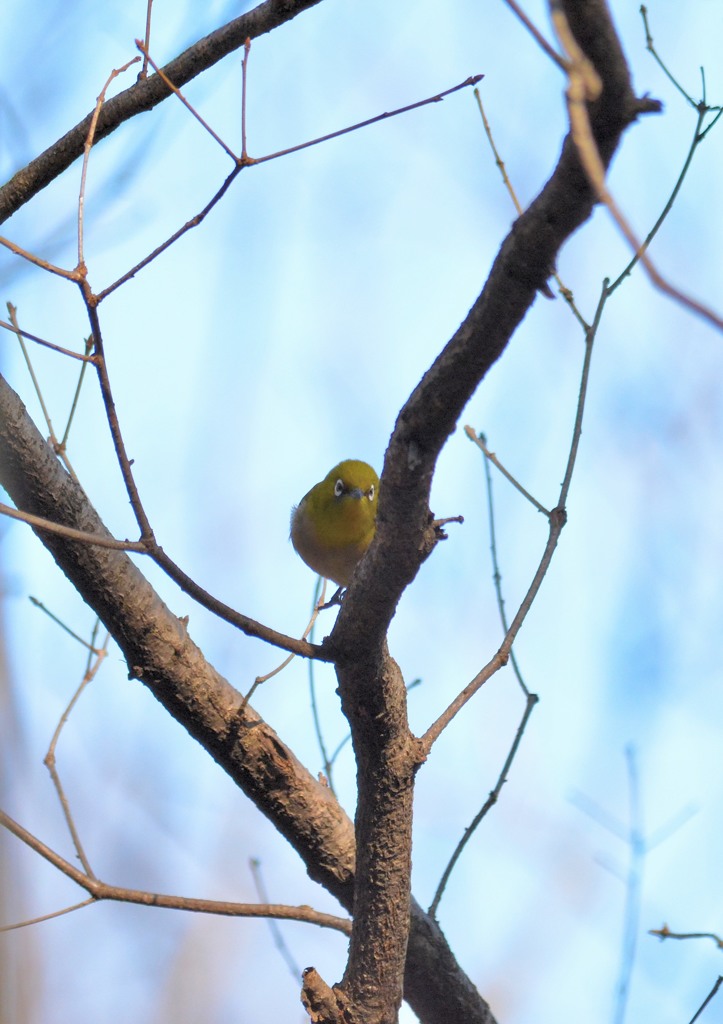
x,y
371,694
99,890
404,536
160,653
144,95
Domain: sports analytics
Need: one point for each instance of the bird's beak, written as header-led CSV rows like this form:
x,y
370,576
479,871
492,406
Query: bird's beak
x,y
356,492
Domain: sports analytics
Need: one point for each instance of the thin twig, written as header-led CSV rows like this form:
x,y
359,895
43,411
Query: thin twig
x,y
89,344
708,998
48,344
47,917
251,162
537,35
480,441
244,71
189,106
278,938
279,668
665,933
38,523
497,575
59,622
583,82
637,848
112,417
564,290
143,73
102,891
69,275
57,448
188,226
90,138
651,49
437,98
557,520
491,800
49,761
319,598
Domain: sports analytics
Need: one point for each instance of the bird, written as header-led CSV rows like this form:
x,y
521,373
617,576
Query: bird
x,y
334,523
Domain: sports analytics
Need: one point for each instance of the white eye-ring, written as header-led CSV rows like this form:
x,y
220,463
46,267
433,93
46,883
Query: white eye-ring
x,y
370,493
338,488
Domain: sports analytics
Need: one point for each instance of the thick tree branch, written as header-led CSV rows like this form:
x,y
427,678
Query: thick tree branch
x,y
145,95
405,534
525,261
159,651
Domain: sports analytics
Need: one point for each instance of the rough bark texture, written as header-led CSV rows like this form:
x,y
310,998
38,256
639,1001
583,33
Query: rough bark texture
x,y
159,651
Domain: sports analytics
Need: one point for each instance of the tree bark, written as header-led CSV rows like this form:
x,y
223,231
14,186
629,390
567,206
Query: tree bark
x,y
159,651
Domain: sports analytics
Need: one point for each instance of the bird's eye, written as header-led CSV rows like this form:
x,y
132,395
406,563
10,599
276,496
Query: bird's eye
x,y
370,493
338,488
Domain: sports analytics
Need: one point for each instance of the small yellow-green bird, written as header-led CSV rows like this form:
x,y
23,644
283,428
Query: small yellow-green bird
x,y
333,525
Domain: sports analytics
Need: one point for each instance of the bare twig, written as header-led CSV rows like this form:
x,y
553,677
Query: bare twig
x,y
327,762
39,523
90,138
59,622
277,937
144,95
557,519
582,88
49,761
143,73
47,917
702,111
189,106
437,98
665,933
637,847
497,576
491,800
47,344
564,290
57,447
102,891
247,161
76,396
279,668
69,275
244,74
188,226
113,422
536,34
481,442
708,998
658,59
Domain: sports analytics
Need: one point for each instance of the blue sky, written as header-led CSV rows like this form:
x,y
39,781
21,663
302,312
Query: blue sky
x,y
282,336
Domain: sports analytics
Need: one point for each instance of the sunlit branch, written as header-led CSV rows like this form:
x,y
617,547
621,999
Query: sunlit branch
x,y
581,90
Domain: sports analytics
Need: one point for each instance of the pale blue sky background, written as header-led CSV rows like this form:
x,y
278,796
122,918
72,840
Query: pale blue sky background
x,y
282,336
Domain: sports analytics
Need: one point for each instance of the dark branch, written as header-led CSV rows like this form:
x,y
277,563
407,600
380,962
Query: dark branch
x,y
144,95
